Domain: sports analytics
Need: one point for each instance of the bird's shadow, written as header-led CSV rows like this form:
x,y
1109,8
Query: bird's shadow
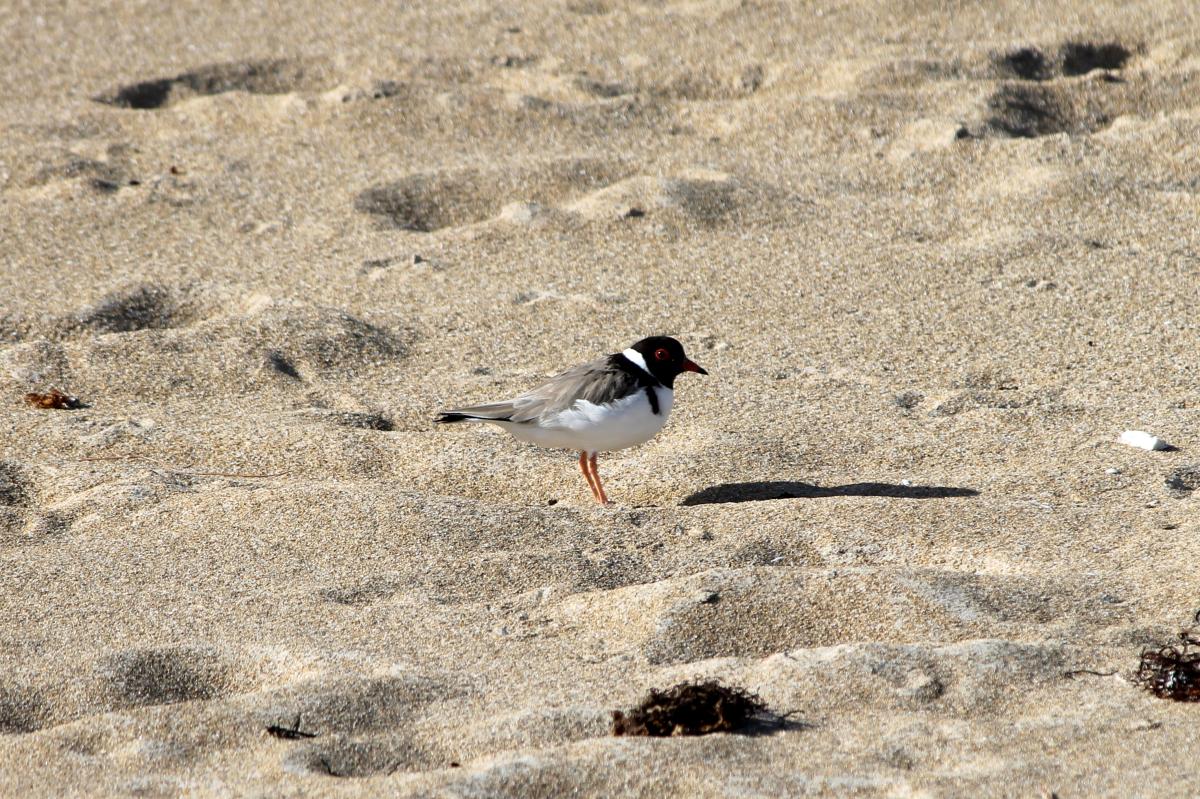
x,y
770,723
761,490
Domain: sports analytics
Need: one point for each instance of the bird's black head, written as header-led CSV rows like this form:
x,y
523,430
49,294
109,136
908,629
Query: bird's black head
x,y
665,358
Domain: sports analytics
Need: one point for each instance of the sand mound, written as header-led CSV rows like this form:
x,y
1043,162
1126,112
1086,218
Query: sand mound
x,y
756,611
706,197
155,342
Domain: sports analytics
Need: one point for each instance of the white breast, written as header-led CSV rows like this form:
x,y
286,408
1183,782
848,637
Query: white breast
x,y
600,428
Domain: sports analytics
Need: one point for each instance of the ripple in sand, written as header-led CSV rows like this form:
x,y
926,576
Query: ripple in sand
x,y
338,756
751,612
430,201
353,705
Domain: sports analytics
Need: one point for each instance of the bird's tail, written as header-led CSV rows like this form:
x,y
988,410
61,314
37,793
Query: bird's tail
x,y
491,412
446,417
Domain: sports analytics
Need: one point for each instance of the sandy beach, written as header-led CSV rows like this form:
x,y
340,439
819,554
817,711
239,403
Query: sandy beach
x,y
936,258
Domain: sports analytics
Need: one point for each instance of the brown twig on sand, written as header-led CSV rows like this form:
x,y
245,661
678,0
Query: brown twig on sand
x,y
1073,673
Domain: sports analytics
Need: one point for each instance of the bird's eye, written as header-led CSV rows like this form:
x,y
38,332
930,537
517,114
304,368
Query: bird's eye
x,y
661,354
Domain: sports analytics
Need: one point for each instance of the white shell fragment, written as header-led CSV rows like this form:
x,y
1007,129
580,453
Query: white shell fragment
x,y
1142,440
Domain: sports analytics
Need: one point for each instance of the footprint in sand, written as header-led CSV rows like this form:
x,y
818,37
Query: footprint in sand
x,y
22,710
278,76
164,676
1079,89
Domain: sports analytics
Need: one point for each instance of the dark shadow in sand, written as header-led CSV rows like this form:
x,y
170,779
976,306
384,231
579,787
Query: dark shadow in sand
x,y
773,723
791,489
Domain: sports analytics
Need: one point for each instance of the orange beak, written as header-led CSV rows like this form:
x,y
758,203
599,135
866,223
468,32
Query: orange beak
x,y
692,366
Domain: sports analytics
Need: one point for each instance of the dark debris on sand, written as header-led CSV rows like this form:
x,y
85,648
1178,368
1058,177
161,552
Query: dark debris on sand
x,y
691,708
288,733
53,400
1184,480
1172,671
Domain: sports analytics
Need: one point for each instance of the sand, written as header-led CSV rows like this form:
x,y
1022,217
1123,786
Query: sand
x,y
936,258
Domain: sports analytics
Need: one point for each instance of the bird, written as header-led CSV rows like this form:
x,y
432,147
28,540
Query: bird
x,y
614,402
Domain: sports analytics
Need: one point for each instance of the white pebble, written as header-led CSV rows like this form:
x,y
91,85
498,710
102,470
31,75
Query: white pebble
x,y
1142,440
1112,471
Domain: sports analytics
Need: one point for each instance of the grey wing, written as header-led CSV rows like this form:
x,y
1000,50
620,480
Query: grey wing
x,y
598,382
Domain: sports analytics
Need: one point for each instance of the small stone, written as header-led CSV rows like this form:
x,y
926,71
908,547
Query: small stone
x,y
1112,470
922,688
522,213
898,758
1143,440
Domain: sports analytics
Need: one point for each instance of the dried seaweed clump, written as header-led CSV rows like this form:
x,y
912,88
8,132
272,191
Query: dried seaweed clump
x,y
1172,671
690,708
53,400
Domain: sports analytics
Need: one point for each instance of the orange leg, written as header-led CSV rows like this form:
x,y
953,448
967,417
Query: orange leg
x,y
601,497
587,474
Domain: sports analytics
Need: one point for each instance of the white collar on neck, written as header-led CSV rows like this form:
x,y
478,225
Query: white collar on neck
x,y
637,359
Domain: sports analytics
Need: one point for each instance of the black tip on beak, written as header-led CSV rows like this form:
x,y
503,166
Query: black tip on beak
x,y
691,366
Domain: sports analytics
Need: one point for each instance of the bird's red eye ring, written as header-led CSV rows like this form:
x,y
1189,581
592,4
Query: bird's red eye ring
x,y
661,354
